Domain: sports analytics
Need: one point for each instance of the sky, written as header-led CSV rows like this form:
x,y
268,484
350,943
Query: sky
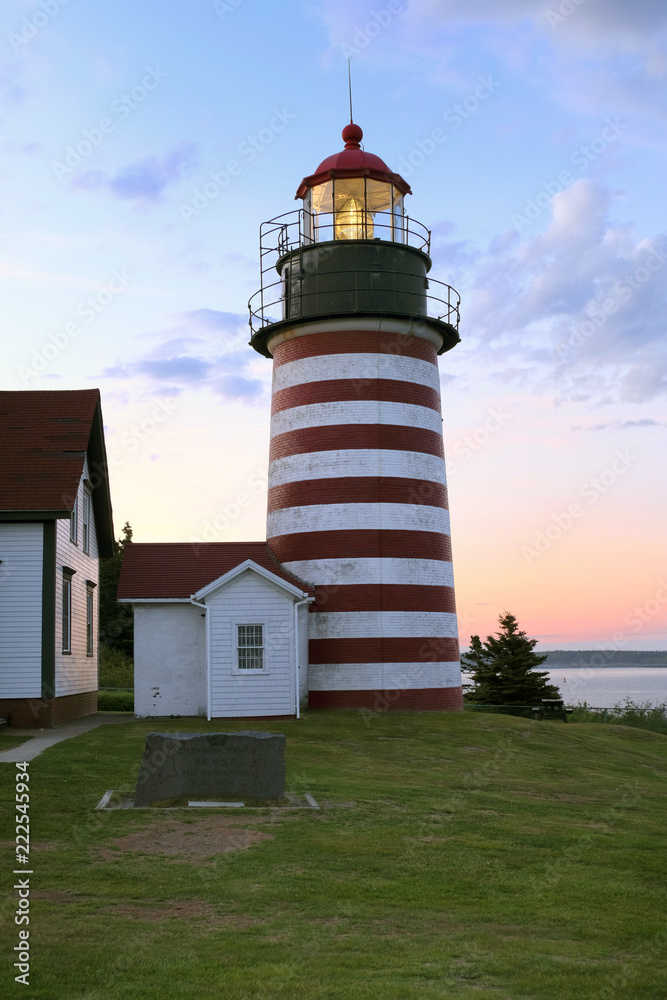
x,y
142,145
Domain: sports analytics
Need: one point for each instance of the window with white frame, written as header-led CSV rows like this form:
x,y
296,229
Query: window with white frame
x,y
90,604
74,522
67,611
250,647
86,520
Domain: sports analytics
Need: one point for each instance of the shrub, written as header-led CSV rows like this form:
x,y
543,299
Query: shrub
x,y
644,716
116,668
115,701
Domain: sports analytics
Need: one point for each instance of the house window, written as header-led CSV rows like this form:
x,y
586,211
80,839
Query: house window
x,y
74,522
67,610
86,521
89,619
250,646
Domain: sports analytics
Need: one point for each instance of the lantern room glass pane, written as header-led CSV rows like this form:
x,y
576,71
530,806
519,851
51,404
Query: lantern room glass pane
x,y
399,219
378,196
323,197
351,220
378,200
308,227
322,208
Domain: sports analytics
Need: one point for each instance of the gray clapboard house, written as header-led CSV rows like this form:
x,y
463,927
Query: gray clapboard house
x,y
55,525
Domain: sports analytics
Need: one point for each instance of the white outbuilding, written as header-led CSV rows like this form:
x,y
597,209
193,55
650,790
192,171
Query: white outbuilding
x,y
220,630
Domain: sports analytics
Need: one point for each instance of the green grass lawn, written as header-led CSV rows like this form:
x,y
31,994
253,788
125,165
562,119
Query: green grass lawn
x,y
464,855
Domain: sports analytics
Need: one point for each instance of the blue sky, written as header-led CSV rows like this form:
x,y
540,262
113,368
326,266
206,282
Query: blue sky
x,y
533,136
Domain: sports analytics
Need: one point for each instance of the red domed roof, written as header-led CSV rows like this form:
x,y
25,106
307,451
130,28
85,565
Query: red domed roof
x,y
352,161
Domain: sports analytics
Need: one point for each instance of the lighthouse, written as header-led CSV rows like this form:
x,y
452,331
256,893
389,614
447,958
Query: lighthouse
x,y
357,493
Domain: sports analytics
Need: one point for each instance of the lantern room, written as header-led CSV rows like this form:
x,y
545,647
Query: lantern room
x,y
353,195
350,251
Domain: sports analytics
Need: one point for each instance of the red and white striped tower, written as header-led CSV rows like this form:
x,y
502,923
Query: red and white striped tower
x,y
357,490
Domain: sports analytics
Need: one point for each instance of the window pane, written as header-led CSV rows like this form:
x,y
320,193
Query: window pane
x,y
73,523
67,614
86,521
250,647
89,623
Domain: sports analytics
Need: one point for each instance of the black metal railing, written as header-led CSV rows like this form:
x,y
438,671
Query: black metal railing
x,y
302,230
270,304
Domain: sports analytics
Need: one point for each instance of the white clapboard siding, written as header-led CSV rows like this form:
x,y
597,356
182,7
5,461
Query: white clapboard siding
x,y
77,672
169,660
21,548
250,600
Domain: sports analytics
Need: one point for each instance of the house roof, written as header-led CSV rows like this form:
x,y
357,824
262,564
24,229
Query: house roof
x,y
172,570
45,437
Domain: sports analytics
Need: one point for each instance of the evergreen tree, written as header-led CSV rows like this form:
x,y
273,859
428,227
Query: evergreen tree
x,y
116,620
503,668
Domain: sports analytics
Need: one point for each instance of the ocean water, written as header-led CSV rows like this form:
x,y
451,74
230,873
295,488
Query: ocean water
x,y
604,687
607,686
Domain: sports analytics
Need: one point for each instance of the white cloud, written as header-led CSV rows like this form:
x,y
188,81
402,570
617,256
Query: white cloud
x,y
600,56
202,350
583,303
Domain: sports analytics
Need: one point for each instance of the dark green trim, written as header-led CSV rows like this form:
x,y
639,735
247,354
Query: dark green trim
x,y
33,515
49,611
98,484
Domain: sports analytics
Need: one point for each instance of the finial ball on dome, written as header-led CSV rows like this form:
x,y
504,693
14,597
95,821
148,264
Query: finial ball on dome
x,y
352,134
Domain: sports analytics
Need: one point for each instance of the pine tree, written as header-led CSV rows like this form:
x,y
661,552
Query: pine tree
x,y
503,667
116,620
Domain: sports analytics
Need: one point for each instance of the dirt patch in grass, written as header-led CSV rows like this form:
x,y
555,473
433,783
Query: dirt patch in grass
x,y
555,796
35,845
174,909
180,840
58,896
154,911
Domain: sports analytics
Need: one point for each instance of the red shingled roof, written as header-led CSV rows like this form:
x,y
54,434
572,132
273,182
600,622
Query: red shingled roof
x,y
179,569
44,436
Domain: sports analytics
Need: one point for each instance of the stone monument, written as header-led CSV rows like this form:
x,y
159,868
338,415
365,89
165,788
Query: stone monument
x,y
248,766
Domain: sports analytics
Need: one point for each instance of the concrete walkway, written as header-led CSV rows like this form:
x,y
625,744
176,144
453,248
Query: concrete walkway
x,y
49,737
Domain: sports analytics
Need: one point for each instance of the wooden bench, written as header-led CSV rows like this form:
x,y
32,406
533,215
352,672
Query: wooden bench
x,y
551,708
